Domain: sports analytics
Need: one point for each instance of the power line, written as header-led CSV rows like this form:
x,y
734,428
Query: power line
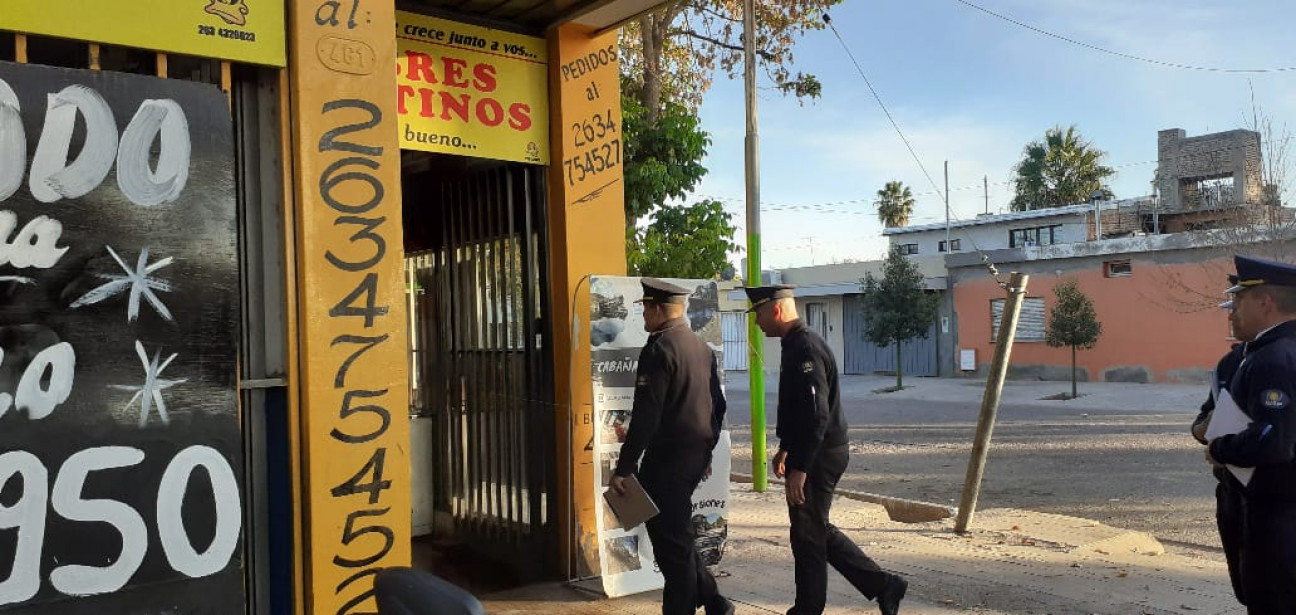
x,y
878,98
870,200
1128,56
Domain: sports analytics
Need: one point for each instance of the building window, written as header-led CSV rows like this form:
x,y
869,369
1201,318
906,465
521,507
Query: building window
x,y
1118,269
955,245
817,318
1035,236
1030,325
908,248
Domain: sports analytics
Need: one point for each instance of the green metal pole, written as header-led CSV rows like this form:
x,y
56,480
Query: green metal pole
x,y
756,374
755,339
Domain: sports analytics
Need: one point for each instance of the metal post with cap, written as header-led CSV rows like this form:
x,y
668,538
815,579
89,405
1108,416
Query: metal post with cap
x,y
755,338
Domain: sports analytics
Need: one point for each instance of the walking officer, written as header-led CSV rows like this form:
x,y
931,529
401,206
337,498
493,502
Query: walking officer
x,y
1264,312
675,423
813,454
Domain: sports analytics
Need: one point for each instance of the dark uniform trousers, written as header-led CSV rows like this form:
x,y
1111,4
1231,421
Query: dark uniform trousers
x,y
670,483
1268,558
1228,518
816,544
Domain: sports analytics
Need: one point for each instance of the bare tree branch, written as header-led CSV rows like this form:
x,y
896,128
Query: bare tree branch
x,y
703,9
704,38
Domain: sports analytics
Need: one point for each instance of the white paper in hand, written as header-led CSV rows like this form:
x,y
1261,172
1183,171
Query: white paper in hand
x,y
1226,419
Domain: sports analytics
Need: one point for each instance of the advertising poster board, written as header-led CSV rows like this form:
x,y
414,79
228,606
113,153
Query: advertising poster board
x,y
617,335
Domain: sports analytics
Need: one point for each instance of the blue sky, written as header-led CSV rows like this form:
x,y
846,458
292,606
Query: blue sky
x,y
971,89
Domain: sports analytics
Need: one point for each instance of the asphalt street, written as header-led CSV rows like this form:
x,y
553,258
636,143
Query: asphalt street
x,y
1120,454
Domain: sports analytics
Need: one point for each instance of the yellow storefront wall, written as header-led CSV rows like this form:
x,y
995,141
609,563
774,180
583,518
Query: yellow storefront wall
x,y
354,408
587,235
354,368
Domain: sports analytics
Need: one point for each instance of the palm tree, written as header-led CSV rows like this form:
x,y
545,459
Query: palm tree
x,y
895,204
1063,169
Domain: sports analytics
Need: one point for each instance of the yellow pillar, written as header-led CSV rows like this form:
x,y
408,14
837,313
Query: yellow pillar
x,y
354,409
587,235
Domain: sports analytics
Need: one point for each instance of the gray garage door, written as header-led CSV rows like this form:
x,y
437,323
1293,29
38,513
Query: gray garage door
x,y
917,356
733,326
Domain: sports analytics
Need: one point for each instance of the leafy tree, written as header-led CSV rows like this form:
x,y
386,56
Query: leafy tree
x,y
897,308
684,241
1073,322
663,162
663,159
895,204
1062,169
673,52
668,58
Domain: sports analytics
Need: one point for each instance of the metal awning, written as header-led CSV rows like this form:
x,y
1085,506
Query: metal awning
x,y
536,15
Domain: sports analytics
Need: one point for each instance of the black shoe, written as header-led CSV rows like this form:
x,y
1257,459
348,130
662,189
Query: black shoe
x,y
720,606
892,593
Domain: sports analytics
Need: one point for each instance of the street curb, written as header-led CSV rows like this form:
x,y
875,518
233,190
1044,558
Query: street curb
x,y
898,509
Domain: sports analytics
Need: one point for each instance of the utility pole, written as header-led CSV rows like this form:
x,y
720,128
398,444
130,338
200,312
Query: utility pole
x,y
985,181
948,247
755,338
990,400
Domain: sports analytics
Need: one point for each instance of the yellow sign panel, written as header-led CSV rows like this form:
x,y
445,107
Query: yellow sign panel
x,y
471,91
353,349
242,30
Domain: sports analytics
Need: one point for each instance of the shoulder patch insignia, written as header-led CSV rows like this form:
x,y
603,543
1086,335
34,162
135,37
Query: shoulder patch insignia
x,y
1274,399
807,367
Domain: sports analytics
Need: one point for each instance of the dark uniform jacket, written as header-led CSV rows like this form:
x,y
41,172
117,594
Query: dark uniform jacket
x,y
678,403
1224,371
1264,387
809,401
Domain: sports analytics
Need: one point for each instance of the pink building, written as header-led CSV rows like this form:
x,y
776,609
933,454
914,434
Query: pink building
x,y
1155,296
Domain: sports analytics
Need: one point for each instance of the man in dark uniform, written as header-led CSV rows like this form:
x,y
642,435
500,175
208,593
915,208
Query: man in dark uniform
x,y
813,454
1264,311
1228,491
675,423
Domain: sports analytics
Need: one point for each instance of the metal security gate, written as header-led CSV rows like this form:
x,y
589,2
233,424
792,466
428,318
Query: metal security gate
x,y
733,329
918,356
481,358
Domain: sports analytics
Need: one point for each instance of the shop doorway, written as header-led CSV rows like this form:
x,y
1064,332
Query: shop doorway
x,y
481,386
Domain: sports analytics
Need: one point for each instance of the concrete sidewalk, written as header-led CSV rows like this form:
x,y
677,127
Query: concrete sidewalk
x,y
1010,561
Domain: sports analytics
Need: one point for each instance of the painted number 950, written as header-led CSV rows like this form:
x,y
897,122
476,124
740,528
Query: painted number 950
x,y
29,512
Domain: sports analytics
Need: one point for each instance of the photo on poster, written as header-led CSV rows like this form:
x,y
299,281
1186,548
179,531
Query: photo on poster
x,y
711,530
616,321
607,463
622,554
613,426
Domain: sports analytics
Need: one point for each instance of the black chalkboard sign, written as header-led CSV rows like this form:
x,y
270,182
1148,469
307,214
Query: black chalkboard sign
x,y
120,473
